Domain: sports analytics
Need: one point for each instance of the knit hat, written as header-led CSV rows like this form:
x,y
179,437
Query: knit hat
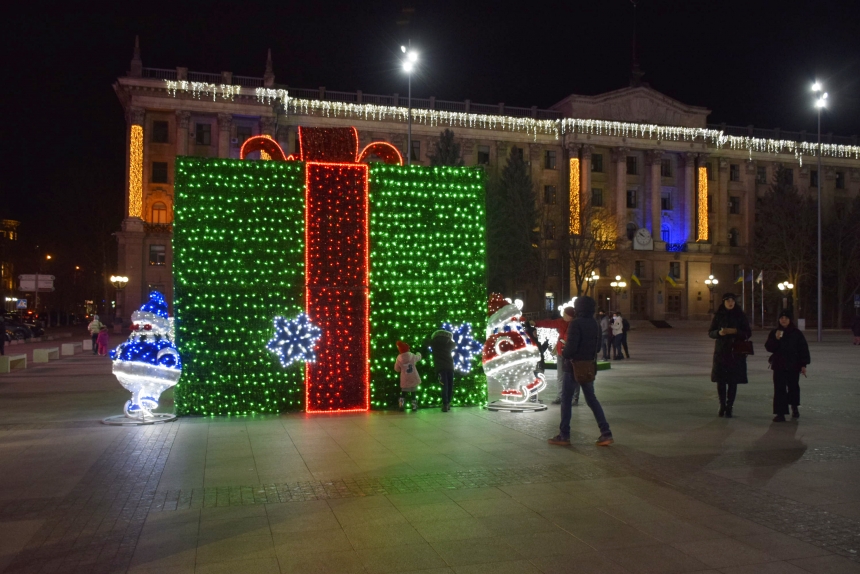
x,y
786,313
402,347
570,312
729,296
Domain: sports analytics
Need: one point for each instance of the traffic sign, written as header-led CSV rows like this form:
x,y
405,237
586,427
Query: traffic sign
x,y
32,277
22,304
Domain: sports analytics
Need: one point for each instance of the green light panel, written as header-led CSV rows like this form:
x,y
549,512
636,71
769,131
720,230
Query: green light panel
x,y
238,250
427,266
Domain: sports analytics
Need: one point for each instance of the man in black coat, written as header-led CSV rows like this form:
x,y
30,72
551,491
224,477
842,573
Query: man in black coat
x,y
442,345
789,359
729,369
583,342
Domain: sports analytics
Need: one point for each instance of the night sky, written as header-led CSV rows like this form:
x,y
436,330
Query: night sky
x,y
62,158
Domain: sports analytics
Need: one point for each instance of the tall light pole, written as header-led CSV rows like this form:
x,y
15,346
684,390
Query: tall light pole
x,y
712,283
819,103
408,66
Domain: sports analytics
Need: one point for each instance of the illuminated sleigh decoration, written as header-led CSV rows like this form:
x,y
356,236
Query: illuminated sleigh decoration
x,y
510,355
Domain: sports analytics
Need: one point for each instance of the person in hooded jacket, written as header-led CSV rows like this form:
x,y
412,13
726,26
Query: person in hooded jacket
x,y
442,346
409,377
789,359
583,342
94,327
560,325
729,369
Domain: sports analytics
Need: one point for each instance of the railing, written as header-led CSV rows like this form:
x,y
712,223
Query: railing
x,y
159,74
204,77
158,228
778,134
248,81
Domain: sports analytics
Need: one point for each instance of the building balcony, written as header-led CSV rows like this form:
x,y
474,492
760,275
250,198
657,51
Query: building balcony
x,y
158,228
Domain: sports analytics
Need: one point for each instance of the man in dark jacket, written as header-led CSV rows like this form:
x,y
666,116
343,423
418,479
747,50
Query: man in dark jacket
x,y
789,360
583,341
442,345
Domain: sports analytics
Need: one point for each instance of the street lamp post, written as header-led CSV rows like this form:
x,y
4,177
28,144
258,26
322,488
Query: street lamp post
x,y
592,280
119,282
819,103
711,282
618,286
408,66
786,302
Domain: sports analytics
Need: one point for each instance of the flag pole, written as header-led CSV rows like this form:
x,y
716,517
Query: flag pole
x,y
743,287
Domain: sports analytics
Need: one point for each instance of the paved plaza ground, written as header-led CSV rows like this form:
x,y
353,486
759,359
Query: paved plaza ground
x,y
468,491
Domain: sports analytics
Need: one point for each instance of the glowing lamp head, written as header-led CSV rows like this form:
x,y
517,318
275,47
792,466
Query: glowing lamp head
x,y
519,304
403,49
408,66
816,87
413,56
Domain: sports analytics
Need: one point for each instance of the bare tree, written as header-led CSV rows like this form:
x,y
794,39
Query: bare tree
x,y
785,231
595,246
841,254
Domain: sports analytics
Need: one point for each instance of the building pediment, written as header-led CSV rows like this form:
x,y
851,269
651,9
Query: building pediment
x,y
639,104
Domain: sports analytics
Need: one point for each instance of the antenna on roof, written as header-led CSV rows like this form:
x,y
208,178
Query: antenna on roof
x,y
636,72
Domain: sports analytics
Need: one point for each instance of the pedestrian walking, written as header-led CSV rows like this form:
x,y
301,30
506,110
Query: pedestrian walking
x,y
625,327
409,377
102,340
617,333
560,325
580,359
605,333
729,327
94,327
855,329
442,345
788,361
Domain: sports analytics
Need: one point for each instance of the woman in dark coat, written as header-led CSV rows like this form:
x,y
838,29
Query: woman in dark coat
x,y
729,369
789,359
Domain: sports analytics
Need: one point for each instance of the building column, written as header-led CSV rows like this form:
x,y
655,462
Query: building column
x,y
183,119
721,205
748,205
655,188
225,123
689,208
134,163
619,157
702,214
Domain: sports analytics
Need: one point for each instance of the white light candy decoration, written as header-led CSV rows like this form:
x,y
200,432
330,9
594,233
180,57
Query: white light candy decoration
x,y
294,340
509,355
147,364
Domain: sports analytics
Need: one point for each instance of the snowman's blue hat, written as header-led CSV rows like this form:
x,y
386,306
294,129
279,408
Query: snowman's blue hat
x,y
156,305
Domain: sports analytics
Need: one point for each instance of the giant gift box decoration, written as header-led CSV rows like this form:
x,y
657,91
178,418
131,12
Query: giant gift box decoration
x,y
370,252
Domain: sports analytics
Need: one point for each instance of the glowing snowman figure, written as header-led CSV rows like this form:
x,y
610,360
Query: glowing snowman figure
x,y
509,354
147,364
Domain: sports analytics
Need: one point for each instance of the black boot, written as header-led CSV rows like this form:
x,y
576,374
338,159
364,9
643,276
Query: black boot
x,y
795,414
722,411
728,412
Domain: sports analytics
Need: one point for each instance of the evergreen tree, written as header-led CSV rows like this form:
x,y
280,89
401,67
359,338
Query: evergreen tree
x,y
447,150
512,220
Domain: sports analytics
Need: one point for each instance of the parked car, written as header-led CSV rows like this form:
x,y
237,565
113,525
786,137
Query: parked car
x,y
16,328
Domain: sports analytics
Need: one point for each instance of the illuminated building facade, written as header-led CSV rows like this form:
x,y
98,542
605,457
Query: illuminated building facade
x,y
652,163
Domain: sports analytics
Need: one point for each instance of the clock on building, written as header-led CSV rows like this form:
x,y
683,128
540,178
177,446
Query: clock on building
x,y
643,241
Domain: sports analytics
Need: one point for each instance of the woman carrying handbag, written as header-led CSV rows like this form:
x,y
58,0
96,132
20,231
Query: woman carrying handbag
x,y
731,331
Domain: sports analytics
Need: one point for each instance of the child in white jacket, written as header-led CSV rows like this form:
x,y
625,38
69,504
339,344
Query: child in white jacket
x,y
409,377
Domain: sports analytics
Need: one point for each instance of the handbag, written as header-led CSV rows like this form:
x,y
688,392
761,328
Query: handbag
x,y
743,348
584,371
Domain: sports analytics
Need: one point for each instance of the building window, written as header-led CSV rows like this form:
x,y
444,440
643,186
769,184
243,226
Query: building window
x,y
157,255
761,175
675,269
840,180
632,167
639,269
596,197
159,172
597,162
243,133
734,172
416,150
665,235
631,231
734,205
517,152
710,204
788,176
631,199
734,238
549,302
673,302
159,213
549,231
813,178
549,159
665,168
549,194
710,169
203,134
666,201
159,132
483,155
